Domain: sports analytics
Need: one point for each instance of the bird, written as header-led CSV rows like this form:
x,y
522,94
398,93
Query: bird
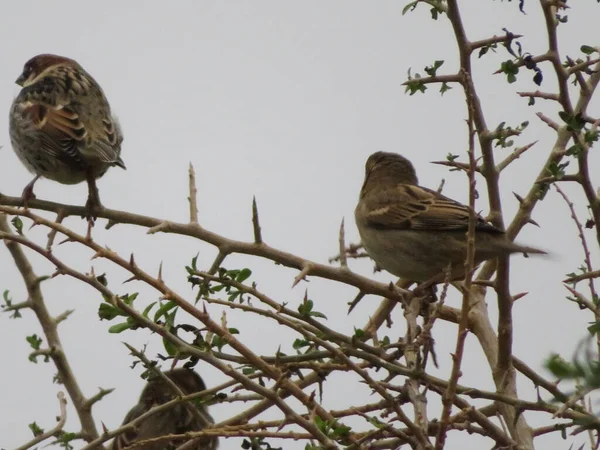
x,y
61,126
181,418
414,232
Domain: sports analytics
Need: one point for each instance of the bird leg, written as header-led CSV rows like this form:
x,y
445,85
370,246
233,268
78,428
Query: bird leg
x,y
93,204
28,192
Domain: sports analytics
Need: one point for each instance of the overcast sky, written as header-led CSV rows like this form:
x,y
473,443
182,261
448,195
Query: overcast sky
x,y
284,101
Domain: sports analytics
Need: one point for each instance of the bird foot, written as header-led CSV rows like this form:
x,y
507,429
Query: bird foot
x,y
92,208
427,290
28,194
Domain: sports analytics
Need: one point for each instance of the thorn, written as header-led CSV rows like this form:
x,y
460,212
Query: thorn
x,y
441,186
303,273
519,198
354,302
132,260
193,195
533,222
342,242
131,348
160,227
133,278
518,296
160,278
256,223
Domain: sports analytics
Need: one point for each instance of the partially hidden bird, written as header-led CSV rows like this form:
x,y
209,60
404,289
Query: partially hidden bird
x,y
415,233
62,127
180,419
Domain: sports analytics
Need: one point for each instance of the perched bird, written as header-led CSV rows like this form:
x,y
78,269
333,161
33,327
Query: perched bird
x,y
414,232
179,419
61,126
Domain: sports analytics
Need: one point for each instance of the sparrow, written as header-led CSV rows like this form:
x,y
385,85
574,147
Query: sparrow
x,y
61,125
179,419
414,232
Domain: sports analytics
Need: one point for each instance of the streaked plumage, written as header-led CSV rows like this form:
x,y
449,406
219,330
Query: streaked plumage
x,y
61,125
177,420
414,232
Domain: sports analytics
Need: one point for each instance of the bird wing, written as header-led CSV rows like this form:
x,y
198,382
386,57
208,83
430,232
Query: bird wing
x,y
410,207
105,142
67,135
129,437
62,133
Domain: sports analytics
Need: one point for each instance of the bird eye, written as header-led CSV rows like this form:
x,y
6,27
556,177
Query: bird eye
x,y
27,69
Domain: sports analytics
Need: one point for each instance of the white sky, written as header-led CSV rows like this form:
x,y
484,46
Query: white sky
x,y
284,101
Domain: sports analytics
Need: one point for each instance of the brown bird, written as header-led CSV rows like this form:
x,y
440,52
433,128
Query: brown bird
x,y
181,418
414,232
61,125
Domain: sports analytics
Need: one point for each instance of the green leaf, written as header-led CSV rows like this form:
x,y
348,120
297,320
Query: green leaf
x,y
64,438
594,328
415,85
218,342
18,224
169,347
559,367
358,333
588,50
574,123
575,150
36,430
164,309
590,136
107,311
128,299
432,70
16,313
445,88
300,343
248,370
305,308
120,327
147,310
411,6
510,69
34,341
243,275
318,314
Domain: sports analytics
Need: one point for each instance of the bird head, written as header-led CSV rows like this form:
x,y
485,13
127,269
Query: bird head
x,y
388,169
39,65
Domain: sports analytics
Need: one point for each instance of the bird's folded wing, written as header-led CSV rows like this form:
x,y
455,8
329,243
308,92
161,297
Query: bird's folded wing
x,y
62,133
410,207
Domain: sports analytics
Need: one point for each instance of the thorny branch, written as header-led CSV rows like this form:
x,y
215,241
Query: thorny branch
x,y
280,381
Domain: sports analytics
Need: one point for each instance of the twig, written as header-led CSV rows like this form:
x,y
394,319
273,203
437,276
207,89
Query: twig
x,y
62,402
193,195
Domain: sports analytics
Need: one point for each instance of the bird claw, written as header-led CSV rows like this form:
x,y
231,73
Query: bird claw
x,y
427,290
28,194
92,208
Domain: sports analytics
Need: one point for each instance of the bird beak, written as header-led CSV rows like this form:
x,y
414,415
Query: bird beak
x,y
21,80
